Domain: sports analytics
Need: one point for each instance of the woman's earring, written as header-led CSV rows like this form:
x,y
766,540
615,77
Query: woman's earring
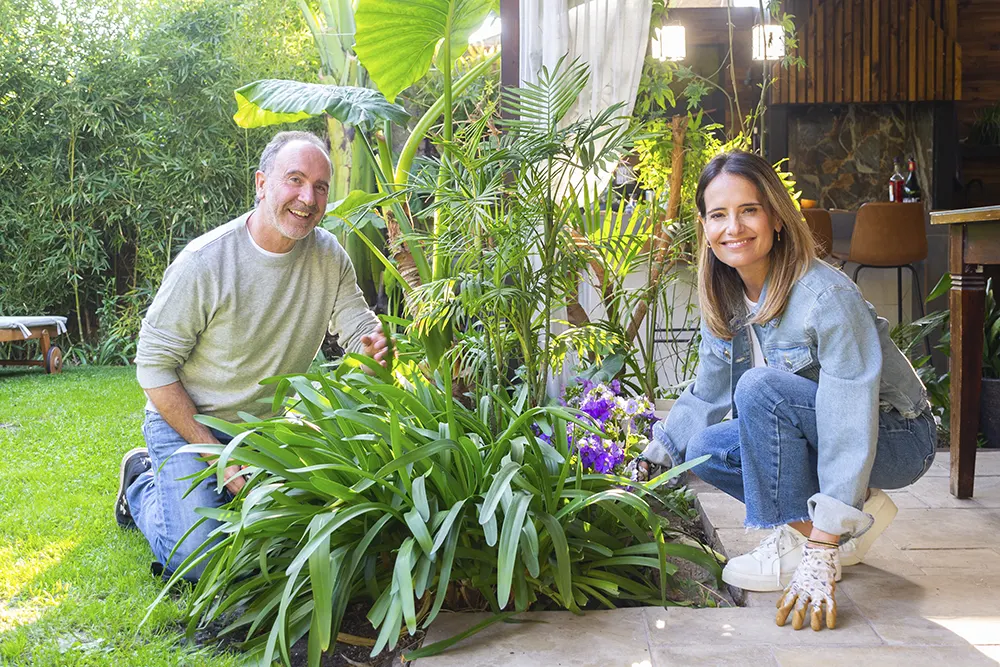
x,y
779,235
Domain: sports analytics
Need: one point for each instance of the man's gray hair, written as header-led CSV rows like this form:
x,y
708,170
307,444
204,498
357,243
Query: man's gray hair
x,y
279,141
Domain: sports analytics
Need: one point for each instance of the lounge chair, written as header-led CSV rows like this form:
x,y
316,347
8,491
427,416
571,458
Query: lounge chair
x,y
16,329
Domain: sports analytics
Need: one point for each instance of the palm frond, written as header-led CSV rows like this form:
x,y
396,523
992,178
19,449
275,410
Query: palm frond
x,y
539,107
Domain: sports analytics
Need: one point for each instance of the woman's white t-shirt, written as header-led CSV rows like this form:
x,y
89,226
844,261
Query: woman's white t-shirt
x,y
758,354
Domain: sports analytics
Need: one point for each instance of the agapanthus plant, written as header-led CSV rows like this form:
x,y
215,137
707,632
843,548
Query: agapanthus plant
x,y
627,424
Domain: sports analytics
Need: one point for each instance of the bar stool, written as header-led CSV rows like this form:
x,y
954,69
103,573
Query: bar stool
x,y
889,236
821,225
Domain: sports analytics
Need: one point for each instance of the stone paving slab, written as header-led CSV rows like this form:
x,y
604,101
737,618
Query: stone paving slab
x,y
926,609
717,656
885,656
611,638
945,529
987,464
737,626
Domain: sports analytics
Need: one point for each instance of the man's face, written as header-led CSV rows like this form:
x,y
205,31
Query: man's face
x,y
293,194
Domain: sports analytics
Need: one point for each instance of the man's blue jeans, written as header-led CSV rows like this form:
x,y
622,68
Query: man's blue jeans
x,y
766,458
157,501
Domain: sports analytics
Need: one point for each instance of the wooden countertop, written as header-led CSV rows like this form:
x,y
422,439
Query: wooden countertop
x,y
965,215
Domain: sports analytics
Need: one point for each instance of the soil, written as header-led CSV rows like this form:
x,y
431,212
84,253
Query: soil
x,y
344,655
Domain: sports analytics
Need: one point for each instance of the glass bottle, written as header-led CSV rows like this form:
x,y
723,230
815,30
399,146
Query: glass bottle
x,y
896,182
911,189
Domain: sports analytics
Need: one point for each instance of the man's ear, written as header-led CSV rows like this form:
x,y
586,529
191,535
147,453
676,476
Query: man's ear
x,y
259,179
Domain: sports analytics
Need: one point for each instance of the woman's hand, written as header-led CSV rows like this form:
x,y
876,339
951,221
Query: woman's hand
x,y
811,589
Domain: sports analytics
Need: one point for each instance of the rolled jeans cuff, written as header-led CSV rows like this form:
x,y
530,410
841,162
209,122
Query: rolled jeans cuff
x,y
837,518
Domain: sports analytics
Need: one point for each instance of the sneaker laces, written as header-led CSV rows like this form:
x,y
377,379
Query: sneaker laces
x,y
772,544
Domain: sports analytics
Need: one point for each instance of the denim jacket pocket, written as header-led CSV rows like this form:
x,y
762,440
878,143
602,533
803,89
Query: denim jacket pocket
x,y
791,358
723,349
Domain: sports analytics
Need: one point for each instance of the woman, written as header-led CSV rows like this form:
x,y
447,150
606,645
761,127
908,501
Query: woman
x,y
825,408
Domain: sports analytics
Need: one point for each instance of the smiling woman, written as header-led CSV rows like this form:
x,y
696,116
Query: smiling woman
x,y
826,410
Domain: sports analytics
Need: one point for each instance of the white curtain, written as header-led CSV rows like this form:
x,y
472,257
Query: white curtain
x,y
611,36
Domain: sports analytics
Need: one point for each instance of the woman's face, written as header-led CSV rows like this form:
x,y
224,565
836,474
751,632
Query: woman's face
x,y
738,224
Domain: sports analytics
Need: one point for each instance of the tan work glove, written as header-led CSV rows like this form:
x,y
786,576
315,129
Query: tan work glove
x,y
811,589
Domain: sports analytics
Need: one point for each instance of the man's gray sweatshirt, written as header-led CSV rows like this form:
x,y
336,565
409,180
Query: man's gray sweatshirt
x,y
230,314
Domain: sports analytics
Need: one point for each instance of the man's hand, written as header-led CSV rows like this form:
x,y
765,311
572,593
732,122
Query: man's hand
x,y
236,483
233,484
376,346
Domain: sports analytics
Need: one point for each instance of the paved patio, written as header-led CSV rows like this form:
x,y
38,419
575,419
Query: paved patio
x,y
927,594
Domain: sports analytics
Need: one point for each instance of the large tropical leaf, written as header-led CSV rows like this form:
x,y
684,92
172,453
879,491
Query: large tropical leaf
x,y
272,101
397,39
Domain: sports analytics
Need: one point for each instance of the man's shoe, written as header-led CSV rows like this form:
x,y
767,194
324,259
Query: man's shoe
x,y
880,506
134,463
771,565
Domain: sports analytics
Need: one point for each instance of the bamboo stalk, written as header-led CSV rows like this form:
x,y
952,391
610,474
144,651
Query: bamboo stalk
x,y
661,242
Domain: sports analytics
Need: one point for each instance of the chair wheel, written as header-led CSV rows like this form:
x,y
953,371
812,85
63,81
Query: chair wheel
x,y
53,360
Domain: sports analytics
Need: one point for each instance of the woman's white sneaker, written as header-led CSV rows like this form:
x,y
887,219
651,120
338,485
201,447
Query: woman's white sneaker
x,y
881,507
771,565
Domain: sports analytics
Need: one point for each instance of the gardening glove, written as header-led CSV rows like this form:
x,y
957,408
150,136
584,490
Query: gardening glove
x,y
641,469
637,470
812,587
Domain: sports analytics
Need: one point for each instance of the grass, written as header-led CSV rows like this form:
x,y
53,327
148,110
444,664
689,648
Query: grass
x,y
73,586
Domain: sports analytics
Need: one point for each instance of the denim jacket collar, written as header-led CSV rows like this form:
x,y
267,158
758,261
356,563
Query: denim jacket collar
x,y
740,320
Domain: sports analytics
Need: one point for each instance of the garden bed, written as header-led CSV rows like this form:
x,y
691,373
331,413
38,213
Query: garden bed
x,y
691,586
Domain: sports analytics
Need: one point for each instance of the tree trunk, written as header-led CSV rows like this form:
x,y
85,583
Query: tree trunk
x,y
661,242
341,157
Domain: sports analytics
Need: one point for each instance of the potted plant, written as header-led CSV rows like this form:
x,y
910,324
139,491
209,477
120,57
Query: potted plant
x,y
989,397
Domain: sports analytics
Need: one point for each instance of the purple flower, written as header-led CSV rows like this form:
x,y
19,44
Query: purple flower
x,y
541,435
599,407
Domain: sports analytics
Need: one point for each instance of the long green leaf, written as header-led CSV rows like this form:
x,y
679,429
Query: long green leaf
x,y
437,647
564,578
510,535
419,530
446,525
448,557
403,578
501,482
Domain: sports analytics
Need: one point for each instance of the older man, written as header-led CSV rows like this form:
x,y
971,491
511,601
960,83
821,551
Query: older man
x,y
248,300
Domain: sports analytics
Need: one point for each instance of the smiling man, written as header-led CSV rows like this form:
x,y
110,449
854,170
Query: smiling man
x,y
246,301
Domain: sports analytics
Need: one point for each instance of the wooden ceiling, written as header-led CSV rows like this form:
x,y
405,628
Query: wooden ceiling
x,y
860,51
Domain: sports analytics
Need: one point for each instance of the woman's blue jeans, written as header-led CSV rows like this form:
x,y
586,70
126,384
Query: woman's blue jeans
x,y
766,458
157,500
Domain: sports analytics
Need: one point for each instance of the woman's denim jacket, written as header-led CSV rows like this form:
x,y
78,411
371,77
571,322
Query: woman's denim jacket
x,y
831,335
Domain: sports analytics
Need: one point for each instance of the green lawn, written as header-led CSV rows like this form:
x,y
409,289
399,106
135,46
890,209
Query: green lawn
x,y
73,586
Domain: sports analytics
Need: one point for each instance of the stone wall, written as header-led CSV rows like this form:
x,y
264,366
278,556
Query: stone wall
x,y
842,155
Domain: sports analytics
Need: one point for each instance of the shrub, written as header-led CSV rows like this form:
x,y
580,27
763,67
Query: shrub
x,y
395,492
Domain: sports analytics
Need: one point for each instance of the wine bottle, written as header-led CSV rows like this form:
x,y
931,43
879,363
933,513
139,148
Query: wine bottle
x,y
911,189
896,182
